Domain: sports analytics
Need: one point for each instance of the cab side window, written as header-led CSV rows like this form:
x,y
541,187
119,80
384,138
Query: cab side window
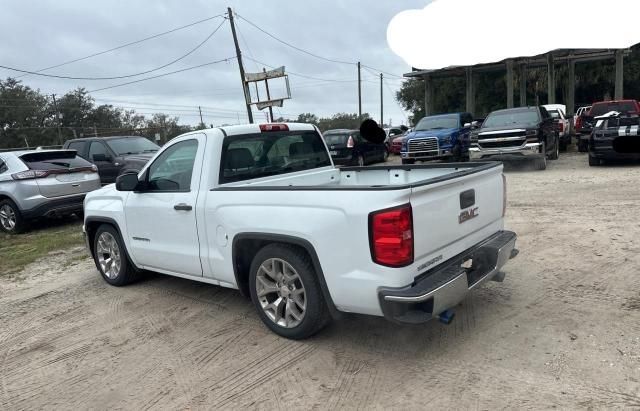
x,y
98,148
173,169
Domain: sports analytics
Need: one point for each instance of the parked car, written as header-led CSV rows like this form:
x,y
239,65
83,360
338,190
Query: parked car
x,y
396,145
42,183
562,124
615,136
580,111
261,208
516,134
444,136
600,108
392,133
114,155
347,147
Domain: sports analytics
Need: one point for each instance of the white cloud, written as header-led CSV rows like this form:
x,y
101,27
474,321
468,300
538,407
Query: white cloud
x,y
465,32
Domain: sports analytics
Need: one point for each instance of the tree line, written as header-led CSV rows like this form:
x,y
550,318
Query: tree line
x,y
594,82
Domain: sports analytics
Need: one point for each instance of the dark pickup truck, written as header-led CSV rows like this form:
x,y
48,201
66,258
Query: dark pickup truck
x,y
114,155
615,136
516,134
584,126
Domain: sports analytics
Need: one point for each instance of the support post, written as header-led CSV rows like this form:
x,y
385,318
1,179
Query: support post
x,y
509,80
523,85
428,96
471,93
266,86
200,110
359,94
245,89
571,87
551,80
619,91
381,102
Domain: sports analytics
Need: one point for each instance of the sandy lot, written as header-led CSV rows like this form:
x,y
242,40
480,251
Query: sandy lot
x,y
563,330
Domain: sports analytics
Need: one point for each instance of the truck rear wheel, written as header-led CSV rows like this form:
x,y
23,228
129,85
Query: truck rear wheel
x,y
556,151
286,292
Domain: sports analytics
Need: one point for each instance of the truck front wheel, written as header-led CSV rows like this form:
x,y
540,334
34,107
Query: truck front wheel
x,y
111,258
286,292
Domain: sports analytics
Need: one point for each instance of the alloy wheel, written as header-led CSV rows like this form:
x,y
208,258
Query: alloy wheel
x,y
281,293
7,217
108,253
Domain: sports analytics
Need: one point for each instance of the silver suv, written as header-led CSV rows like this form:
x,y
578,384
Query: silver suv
x,y
42,183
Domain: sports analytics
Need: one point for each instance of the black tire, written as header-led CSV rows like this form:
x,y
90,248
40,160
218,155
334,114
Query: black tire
x,y
594,162
385,155
556,150
582,146
563,145
408,161
540,163
126,273
316,314
11,221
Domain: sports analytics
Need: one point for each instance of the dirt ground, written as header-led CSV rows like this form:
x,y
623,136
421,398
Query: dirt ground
x,y
562,331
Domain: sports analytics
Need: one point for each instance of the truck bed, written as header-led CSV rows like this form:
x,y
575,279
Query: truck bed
x,y
395,177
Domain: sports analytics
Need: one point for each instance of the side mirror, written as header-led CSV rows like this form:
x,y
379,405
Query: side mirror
x,y
127,182
101,157
467,125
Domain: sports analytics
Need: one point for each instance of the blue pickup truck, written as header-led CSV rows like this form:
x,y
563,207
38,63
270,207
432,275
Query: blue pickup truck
x,y
445,136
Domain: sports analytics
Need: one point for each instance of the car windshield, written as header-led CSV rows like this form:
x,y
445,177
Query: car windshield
x,y
621,107
249,156
508,118
335,139
132,145
437,123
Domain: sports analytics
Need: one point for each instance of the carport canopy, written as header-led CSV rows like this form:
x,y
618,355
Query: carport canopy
x,y
549,60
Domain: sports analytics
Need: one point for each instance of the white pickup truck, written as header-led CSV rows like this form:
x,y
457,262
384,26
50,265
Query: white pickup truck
x,y
262,209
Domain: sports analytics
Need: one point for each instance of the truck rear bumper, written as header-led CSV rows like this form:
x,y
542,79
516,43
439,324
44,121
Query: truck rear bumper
x,y
444,287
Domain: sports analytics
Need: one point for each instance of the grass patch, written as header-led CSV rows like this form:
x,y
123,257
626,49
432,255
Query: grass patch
x,y
17,251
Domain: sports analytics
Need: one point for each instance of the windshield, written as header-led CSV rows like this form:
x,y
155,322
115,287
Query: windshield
x,y
132,145
508,118
336,139
621,107
554,114
437,123
249,156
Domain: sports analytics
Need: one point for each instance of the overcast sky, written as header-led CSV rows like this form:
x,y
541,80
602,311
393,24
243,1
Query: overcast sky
x,y
36,35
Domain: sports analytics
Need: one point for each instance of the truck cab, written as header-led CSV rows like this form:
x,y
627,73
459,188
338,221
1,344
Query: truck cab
x,y
444,136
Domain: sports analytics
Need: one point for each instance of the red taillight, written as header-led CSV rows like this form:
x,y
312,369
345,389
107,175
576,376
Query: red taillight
x,y
29,174
391,236
274,127
561,127
504,195
350,143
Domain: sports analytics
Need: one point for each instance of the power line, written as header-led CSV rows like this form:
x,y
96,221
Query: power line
x,y
382,71
119,77
127,44
162,75
294,47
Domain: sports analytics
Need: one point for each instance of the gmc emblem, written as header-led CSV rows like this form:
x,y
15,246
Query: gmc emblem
x,y
467,215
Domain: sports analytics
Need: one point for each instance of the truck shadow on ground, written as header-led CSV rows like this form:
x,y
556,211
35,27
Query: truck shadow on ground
x,y
348,334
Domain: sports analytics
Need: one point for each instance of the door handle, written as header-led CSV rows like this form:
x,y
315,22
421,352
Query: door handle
x,y
182,207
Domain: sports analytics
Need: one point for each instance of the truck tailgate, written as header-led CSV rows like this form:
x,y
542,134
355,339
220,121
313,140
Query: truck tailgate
x,y
462,211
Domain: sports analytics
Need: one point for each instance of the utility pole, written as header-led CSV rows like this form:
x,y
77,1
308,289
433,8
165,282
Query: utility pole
x,y
266,85
359,94
95,131
200,110
381,103
55,105
239,57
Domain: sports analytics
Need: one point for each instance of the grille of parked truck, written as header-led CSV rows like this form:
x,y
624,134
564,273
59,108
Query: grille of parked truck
x,y
615,136
524,133
443,136
262,208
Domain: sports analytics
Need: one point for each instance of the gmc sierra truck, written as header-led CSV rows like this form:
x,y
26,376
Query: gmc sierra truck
x,y
261,208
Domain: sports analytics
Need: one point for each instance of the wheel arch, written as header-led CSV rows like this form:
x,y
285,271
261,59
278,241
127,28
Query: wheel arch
x,y
91,225
245,246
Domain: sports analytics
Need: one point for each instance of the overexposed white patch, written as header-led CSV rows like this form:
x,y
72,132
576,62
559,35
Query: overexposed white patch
x,y
466,32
